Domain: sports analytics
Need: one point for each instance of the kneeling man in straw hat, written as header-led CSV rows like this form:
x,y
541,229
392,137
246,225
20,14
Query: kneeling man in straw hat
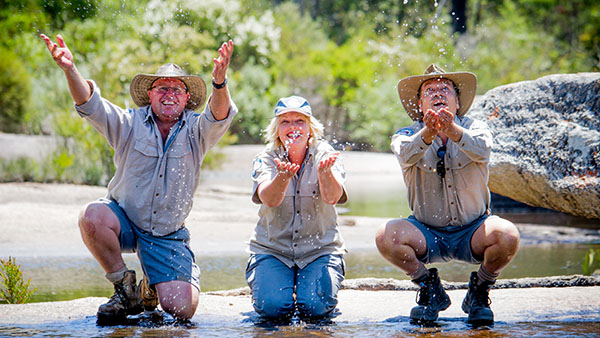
x,y
444,157
158,151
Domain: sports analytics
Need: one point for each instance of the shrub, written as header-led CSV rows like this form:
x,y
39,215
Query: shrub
x,y
16,290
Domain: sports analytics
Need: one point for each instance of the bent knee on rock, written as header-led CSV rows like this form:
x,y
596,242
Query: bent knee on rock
x,y
274,307
179,307
315,309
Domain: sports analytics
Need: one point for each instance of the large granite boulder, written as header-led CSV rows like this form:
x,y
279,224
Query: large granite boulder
x,y
547,141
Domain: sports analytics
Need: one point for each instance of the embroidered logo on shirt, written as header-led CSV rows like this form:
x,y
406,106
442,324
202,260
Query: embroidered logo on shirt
x,y
256,165
405,131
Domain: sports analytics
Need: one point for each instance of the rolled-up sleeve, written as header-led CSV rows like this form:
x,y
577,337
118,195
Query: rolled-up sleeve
x,y
408,146
110,120
263,169
476,142
212,130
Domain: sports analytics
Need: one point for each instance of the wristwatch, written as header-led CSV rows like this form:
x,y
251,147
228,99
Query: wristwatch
x,y
219,85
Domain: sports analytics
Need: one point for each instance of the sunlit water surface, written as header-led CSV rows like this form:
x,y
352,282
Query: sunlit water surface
x,y
389,328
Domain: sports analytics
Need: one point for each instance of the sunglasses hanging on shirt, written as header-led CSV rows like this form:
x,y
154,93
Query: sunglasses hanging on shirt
x,y
440,167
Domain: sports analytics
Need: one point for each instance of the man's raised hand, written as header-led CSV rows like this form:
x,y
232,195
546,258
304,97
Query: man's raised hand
x,y
222,62
60,52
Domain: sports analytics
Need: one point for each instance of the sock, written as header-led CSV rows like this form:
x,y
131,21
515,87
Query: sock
x,y
484,276
421,271
116,276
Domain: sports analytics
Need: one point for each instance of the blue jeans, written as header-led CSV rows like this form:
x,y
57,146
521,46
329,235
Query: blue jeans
x,y
273,285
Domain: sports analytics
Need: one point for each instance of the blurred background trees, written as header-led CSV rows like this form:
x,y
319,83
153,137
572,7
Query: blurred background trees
x,y
345,56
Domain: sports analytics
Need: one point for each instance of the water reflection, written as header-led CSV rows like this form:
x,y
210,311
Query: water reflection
x,y
87,328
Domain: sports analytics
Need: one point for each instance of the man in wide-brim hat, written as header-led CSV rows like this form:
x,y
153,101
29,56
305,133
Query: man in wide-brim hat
x,y
158,151
444,157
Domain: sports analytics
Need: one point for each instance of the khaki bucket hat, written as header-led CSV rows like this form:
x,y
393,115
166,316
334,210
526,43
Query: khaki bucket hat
x,y
408,89
141,83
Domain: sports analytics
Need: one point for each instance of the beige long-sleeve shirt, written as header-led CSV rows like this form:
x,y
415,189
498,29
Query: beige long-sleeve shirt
x,y
463,194
154,182
303,227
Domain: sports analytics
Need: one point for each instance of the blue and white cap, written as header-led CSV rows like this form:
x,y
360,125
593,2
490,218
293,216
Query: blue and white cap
x,y
293,104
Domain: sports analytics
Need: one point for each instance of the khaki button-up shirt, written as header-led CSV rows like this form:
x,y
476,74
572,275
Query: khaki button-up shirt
x,y
303,227
154,182
463,194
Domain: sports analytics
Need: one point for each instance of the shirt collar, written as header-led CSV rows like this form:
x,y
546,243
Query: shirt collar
x,y
150,115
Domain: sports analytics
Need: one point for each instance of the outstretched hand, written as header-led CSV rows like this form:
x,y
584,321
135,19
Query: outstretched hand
x,y
441,120
222,62
445,119
286,169
327,163
60,52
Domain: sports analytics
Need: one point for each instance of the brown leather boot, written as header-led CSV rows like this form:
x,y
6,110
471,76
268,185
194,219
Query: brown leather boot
x,y
125,301
149,296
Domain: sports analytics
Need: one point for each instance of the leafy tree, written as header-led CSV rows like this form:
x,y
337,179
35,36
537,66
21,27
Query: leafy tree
x,y
14,92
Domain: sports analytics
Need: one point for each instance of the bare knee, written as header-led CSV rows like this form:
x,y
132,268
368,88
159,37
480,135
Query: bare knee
x,y
180,299
393,233
96,216
510,236
506,235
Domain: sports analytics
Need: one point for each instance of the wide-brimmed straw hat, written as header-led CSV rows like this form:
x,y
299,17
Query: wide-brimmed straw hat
x,y
408,89
141,83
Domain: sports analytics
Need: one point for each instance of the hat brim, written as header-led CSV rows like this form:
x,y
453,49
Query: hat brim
x,y
408,89
291,110
141,83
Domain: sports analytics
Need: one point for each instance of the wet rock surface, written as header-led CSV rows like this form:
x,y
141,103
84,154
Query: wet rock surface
x,y
547,141
510,305
378,284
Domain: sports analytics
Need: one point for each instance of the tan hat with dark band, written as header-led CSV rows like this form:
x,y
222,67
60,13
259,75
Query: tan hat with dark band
x,y
141,83
408,89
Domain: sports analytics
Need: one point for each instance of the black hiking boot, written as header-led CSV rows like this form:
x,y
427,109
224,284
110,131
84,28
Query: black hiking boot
x,y
431,298
125,301
477,302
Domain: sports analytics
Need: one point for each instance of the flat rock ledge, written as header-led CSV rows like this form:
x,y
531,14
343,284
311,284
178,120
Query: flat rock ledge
x,y
390,284
361,301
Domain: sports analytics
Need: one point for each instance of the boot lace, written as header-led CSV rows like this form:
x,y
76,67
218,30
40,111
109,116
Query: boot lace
x,y
424,293
481,296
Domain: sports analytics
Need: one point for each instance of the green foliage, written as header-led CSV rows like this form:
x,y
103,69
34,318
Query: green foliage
x,y
14,92
345,56
250,87
591,262
21,169
15,289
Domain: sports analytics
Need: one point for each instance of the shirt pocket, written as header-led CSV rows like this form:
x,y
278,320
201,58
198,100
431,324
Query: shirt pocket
x,y
310,197
180,163
429,162
143,159
463,168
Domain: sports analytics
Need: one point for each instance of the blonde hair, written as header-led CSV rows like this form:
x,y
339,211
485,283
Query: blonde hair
x,y
316,131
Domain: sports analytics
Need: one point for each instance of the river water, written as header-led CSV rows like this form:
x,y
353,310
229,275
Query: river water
x,y
396,329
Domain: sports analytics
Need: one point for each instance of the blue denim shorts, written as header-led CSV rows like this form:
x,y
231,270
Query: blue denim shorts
x,y
163,259
451,242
